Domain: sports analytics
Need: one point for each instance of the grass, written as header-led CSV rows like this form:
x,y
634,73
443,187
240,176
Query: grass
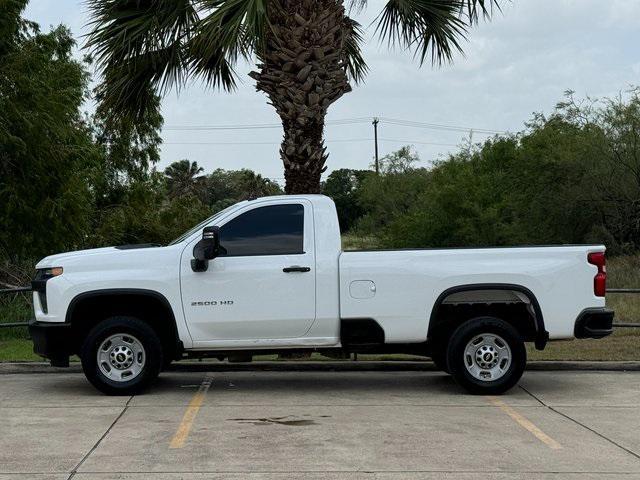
x,y
354,242
624,344
17,350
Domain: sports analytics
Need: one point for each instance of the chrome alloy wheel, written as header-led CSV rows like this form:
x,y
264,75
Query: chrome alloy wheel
x,y
487,357
121,357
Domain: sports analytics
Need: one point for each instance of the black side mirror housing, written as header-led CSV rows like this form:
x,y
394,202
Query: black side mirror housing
x,y
206,249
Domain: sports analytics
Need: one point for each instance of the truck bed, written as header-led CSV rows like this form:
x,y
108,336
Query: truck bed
x,y
399,288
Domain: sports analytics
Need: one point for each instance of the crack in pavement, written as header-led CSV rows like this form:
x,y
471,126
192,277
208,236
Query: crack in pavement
x,y
604,437
74,471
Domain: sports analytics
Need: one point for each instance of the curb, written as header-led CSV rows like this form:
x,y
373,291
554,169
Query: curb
x,y
585,366
345,366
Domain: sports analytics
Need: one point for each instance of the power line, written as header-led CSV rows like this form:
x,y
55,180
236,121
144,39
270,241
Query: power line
x,y
344,121
260,143
419,142
328,141
257,126
435,126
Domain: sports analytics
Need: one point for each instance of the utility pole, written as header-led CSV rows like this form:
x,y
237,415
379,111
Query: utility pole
x,y
470,138
375,139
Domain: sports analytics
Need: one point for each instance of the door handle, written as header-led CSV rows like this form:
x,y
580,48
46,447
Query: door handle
x,y
296,268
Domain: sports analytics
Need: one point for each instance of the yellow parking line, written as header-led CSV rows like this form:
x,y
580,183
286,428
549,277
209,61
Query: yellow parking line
x,y
182,433
526,423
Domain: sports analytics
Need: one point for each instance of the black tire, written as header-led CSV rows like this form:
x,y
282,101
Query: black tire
x,y
166,363
439,358
152,358
457,362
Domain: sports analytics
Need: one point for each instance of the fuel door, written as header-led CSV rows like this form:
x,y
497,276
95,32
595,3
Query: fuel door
x,y
362,289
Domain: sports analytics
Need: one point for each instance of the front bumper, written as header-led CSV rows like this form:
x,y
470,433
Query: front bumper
x,y
52,341
594,323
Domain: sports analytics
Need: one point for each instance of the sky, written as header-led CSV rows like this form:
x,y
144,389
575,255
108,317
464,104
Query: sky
x,y
520,62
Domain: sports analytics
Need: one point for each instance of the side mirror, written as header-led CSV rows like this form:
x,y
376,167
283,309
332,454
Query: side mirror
x,y
206,249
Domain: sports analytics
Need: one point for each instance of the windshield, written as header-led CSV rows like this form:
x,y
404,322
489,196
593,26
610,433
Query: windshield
x,y
201,225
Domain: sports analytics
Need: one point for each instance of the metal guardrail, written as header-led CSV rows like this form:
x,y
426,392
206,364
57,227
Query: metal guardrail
x,y
14,290
624,290
609,290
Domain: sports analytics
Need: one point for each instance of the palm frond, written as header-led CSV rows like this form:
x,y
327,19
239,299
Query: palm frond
x,y
356,5
139,45
231,30
432,28
213,66
128,88
475,9
357,68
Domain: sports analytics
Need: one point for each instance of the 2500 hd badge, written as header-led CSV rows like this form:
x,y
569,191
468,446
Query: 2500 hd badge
x,y
212,303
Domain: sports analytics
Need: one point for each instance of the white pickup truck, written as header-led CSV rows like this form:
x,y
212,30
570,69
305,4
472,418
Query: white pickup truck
x,y
268,275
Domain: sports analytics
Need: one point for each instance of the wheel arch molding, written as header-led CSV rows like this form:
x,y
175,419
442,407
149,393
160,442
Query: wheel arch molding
x,y
106,300
541,334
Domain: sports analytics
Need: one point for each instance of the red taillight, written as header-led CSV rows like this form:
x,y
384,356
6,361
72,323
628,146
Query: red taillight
x,y
600,280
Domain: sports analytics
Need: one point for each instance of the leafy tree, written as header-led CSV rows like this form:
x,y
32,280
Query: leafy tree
x,y
392,193
47,156
400,161
609,146
147,214
343,186
460,204
183,179
249,184
571,177
225,187
307,52
130,148
127,151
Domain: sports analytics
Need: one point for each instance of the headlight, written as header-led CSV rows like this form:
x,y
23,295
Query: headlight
x,y
39,283
51,272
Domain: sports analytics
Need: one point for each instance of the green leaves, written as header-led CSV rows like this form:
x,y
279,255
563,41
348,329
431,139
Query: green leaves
x,y
235,27
230,30
183,178
357,68
307,52
141,47
432,28
46,152
146,47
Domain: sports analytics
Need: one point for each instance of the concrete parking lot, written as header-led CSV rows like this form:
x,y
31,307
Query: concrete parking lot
x,y
356,425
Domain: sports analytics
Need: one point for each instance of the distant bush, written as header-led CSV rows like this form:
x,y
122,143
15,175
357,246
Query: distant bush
x,y
572,177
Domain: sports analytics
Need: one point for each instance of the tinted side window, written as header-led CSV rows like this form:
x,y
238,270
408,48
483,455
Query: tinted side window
x,y
273,230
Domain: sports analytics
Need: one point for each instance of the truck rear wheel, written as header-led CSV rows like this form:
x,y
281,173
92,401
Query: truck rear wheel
x,y
486,356
121,355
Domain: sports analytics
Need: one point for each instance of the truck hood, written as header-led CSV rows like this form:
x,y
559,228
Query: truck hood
x,y
61,259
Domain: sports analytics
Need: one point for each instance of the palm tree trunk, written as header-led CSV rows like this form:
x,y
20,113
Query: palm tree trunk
x,y
302,71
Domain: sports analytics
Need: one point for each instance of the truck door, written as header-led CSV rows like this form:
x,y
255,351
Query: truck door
x,y
262,286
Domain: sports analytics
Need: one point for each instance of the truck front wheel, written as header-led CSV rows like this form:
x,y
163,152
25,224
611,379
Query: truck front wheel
x,y
121,355
486,356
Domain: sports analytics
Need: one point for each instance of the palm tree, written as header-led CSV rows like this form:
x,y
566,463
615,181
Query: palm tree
x,y
306,54
254,185
182,178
